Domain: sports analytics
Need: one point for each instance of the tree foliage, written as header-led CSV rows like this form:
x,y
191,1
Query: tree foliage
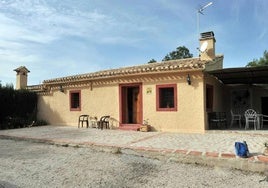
x,y
263,61
181,52
152,61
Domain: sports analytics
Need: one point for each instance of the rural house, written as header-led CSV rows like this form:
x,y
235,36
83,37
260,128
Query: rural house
x,y
174,96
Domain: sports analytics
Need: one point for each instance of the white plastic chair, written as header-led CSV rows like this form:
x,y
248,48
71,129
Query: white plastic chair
x,y
235,117
263,118
93,122
251,117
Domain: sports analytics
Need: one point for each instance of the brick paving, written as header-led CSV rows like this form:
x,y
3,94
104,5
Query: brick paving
x,y
212,144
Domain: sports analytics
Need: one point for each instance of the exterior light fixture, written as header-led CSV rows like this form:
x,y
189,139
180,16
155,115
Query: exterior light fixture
x,y
61,89
188,79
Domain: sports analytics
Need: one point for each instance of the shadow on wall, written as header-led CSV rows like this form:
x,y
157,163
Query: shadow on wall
x,y
48,114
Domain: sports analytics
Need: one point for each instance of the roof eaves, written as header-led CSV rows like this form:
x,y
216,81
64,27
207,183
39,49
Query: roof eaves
x,y
166,66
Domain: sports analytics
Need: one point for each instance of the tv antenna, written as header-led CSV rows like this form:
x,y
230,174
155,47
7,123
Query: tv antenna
x,y
200,10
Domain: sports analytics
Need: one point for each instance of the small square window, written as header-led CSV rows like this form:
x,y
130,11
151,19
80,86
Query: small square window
x,y
75,100
166,97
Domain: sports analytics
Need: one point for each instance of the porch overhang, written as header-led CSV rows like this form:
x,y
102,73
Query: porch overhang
x,y
242,75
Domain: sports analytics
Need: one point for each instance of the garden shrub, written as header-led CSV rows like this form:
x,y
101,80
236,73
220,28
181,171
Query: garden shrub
x,y
18,107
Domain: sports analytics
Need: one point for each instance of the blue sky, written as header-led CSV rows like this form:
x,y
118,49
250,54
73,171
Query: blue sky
x,y
56,38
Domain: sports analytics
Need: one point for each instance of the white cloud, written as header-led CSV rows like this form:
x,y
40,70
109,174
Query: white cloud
x,y
46,21
61,37
31,29
51,21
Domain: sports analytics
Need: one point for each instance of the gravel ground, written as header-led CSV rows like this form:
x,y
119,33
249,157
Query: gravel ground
x,y
26,164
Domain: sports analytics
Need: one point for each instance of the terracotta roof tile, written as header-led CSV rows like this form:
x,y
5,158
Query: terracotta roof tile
x,y
21,68
173,65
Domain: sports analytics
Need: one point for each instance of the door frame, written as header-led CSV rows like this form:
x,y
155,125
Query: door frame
x,y
140,120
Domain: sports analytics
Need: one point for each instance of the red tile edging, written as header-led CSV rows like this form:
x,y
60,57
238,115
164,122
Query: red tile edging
x,y
228,155
259,158
212,154
263,158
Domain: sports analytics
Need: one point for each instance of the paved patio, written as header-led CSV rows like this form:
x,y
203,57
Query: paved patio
x,y
210,148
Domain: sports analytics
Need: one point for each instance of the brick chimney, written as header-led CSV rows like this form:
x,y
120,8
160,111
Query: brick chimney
x,y
21,78
209,51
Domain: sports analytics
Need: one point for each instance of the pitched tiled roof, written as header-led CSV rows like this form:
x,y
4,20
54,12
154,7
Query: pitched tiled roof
x,y
21,68
173,65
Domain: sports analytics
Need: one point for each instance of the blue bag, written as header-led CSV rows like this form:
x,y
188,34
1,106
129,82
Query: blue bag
x,y
241,149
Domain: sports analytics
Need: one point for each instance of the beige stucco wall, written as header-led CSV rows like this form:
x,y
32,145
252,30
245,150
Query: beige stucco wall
x,y
219,99
103,99
189,116
218,93
55,107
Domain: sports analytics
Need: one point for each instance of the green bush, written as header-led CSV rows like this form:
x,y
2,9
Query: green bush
x,y
18,107
40,123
